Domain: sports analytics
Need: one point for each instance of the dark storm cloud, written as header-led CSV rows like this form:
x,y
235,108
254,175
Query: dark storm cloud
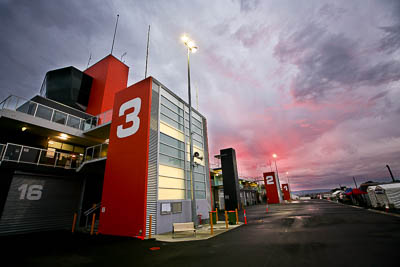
x,y
42,35
327,62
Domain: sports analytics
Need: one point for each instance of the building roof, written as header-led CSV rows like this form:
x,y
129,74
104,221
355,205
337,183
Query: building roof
x,y
389,186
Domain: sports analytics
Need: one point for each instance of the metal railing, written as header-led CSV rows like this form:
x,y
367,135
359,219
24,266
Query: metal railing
x,y
38,156
90,211
35,109
98,120
96,152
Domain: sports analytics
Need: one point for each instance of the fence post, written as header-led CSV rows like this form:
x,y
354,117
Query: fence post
x,y
74,223
211,223
92,227
237,217
226,219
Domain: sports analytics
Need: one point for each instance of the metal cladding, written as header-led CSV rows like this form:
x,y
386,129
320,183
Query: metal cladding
x,y
109,77
231,181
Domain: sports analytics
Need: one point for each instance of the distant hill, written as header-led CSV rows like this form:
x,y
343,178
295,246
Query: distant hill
x,y
313,191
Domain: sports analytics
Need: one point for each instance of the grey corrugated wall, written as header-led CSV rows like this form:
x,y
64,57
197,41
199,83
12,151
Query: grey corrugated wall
x,y
153,162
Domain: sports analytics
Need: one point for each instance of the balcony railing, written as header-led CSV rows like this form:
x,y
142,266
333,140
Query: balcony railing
x,y
50,114
96,152
98,120
46,157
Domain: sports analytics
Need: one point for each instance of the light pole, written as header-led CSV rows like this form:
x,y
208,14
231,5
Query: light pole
x,y
191,48
277,175
276,167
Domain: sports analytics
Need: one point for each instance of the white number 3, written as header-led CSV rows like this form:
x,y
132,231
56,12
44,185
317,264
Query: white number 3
x,y
135,103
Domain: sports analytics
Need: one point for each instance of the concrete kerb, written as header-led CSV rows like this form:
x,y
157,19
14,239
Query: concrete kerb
x,y
202,233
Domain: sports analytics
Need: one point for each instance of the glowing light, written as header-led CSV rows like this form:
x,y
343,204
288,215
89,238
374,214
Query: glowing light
x,y
51,142
185,38
189,43
63,136
274,156
23,129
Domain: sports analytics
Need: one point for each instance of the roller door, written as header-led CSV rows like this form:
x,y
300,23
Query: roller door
x,y
40,202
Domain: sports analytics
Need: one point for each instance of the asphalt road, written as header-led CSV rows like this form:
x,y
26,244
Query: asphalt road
x,y
313,233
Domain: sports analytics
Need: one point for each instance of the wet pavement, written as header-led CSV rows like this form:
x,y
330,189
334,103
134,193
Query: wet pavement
x,y
308,233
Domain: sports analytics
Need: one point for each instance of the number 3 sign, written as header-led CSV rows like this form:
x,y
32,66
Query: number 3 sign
x,y
135,103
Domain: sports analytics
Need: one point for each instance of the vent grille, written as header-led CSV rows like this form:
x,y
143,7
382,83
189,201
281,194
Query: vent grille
x,y
153,164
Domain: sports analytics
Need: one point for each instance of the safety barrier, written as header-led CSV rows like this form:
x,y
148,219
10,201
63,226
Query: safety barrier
x,y
39,156
38,110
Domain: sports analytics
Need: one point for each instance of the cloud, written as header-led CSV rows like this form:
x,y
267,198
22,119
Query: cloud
x,y
315,82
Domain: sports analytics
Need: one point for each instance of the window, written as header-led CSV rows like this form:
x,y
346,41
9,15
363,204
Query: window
x,y
171,105
174,162
171,122
171,141
171,114
44,112
165,208
67,147
170,151
59,117
73,122
176,207
198,177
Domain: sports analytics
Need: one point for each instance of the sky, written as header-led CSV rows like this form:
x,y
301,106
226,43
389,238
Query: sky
x,y
315,82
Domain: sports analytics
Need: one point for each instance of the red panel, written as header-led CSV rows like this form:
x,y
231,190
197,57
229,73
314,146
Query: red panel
x,y
286,192
109,77
271,188
125,181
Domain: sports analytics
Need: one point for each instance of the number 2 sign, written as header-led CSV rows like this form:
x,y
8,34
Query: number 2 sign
x,y
271,187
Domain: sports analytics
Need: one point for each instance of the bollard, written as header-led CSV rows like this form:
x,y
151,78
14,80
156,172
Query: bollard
x,y
216,214
226,219
267,207
245,218
150,219
211,224
74,223
92,227
237,217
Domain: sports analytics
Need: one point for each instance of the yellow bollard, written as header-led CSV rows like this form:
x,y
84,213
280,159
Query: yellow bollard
x,y
237,217
226,219
211,223
150,219
92,227
74,223
216,214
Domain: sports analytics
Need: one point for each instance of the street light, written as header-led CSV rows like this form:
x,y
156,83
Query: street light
x,y
191,48
277,174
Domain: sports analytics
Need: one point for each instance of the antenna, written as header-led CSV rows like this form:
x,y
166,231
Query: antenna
x,y
147,52
124,54
115,31
90,57
354,179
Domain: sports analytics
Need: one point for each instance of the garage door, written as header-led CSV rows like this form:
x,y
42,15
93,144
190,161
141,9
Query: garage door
x,y
40,202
